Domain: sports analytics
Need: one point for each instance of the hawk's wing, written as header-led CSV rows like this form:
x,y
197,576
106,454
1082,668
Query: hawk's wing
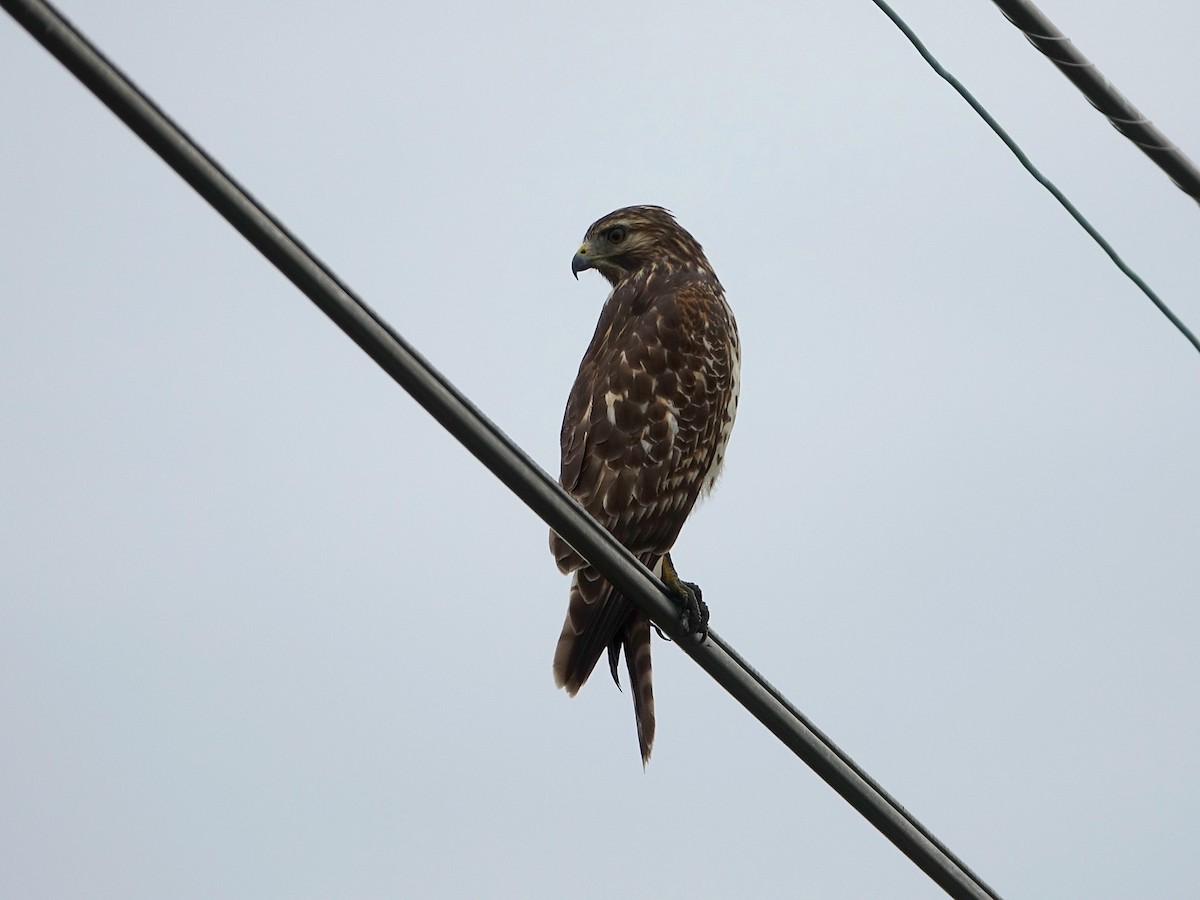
x,y
643,435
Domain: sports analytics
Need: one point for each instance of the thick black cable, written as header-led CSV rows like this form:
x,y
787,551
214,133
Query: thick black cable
x,y
1123,115
491,446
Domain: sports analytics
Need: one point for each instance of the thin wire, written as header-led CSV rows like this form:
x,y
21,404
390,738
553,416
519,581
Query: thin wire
x,y
490,445
1036,173
1122,114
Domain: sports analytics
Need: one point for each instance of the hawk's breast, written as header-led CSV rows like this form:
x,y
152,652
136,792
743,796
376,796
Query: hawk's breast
x,y
732,357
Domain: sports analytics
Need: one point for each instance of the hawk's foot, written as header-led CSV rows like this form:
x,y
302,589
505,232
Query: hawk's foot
x,y
691,598
695,610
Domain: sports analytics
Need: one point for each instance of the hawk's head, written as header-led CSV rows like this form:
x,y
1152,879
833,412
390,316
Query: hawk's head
x,y
635,239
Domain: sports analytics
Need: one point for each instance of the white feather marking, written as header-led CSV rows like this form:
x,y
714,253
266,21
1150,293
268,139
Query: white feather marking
x,y
672,417
609,400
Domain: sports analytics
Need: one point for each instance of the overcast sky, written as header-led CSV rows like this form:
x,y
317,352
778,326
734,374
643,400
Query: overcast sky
x,y
267,631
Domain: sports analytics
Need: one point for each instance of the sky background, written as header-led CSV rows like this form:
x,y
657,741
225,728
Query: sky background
x,y
267,631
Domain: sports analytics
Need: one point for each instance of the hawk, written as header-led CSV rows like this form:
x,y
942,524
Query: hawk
x,y
644,433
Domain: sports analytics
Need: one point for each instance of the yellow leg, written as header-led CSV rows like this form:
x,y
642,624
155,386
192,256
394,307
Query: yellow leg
x,y
695,610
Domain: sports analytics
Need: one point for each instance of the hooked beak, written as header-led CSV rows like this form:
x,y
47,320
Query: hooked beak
x,y
580,261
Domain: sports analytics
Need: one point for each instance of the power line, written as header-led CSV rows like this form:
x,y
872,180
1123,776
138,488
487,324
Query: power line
x,y
1123,115
491,446
1036,173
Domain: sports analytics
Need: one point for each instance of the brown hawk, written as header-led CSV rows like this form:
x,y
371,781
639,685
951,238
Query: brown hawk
x,y
644,433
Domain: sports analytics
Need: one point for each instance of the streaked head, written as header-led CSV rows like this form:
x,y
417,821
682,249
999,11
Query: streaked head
x,y
632,239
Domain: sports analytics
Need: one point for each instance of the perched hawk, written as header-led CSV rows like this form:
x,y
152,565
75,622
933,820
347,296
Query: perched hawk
x,y
644,433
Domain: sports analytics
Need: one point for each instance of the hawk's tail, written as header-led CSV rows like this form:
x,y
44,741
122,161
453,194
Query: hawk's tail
x,y
600,618
636,640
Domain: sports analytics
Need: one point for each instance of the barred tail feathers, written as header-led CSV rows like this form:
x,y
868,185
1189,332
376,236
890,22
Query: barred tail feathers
x,y
600,618
636,641
595,614
565,672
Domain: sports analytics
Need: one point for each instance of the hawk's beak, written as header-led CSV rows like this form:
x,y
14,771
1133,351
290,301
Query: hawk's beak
x,y
580,261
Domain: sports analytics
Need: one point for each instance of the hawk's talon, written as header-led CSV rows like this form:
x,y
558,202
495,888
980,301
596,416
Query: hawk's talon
x,y
695,610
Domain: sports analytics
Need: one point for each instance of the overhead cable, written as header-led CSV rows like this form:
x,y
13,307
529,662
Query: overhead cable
x,y
1036,173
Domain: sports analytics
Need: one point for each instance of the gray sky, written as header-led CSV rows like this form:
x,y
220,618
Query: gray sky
x,y
266,630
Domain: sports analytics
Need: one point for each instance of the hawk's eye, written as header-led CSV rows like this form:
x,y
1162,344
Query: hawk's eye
x,y
616,234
